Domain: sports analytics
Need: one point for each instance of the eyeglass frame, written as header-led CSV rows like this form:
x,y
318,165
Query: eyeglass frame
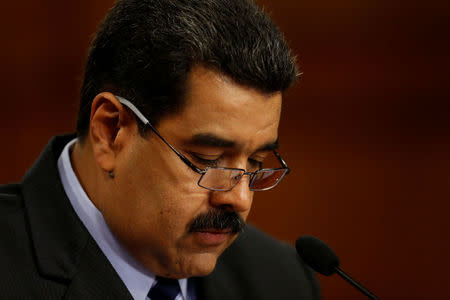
x,y
202,172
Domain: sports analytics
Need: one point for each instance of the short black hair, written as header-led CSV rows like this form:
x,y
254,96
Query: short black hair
x,y
144,50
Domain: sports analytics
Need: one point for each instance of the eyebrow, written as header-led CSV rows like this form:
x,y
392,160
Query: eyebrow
x,y
211,140
269,146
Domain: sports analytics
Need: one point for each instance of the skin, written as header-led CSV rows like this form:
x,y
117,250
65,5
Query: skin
x,y
154,196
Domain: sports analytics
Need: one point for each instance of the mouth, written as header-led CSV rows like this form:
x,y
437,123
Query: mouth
x,y
212,237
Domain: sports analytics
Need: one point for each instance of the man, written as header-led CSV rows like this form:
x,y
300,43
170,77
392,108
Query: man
x,y
179,112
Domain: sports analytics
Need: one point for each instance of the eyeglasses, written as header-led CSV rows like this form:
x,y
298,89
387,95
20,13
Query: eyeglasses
x,y
221,178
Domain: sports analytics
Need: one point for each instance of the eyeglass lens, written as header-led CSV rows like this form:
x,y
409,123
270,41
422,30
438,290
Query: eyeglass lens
x,y
220,179
224,179
266,179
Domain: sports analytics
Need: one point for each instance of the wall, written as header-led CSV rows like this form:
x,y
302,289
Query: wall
x,y
366,130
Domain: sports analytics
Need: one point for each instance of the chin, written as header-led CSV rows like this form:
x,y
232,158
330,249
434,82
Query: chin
x,y
196,265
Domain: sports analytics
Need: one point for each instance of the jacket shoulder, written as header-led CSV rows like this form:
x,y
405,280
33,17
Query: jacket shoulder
x,y
10,198
262,251
20,277
256,266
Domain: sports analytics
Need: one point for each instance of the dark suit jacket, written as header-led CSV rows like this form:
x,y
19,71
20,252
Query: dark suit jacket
x,y
47,253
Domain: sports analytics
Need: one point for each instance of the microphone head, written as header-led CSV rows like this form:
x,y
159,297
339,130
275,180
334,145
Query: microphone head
x,y
317,255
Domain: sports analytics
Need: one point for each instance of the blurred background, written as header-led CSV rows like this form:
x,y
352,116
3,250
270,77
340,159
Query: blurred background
x,y
366,129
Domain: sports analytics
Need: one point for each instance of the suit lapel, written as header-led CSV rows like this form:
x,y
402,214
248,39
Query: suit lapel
x,y
96,278
63,247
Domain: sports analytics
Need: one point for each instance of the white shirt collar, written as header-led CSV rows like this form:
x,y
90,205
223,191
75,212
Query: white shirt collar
x,y
136,277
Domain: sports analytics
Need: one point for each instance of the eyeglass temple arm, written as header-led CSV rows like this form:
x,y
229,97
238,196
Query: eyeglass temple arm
x,y
280,159
283,163
146,122
181,156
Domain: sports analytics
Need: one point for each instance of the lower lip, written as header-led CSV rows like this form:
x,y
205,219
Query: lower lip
x,y
211,238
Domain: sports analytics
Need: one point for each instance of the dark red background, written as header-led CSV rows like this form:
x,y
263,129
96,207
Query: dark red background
x,y
366,130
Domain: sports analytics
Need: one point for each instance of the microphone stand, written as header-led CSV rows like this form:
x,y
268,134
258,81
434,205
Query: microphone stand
x,y
356,284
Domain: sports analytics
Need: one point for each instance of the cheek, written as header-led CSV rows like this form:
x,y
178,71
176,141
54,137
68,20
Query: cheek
x,y
158,165
158,223
161,202
163,182
150,193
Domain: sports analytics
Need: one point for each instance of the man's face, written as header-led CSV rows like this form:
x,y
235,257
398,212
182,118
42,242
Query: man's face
x,y
155,196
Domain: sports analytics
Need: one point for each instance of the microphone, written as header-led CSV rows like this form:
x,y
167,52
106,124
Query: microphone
x,y
323,260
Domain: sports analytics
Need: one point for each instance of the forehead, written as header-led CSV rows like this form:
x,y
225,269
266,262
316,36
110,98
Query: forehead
x,y
215,105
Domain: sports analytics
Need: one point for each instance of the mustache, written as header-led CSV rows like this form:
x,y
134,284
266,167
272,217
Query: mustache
x,y
218,219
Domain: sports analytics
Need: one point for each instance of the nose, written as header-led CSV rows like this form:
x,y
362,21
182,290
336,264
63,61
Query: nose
x,y
238,199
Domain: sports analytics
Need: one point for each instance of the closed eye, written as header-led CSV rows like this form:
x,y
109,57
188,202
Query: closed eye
x,y
205,159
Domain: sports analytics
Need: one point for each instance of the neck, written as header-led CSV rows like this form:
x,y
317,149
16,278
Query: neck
x,y
87,171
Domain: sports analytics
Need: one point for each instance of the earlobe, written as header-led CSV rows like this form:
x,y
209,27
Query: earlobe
x,y
108,118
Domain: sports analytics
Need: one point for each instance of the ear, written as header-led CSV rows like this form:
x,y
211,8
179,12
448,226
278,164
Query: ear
x,y
111,126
